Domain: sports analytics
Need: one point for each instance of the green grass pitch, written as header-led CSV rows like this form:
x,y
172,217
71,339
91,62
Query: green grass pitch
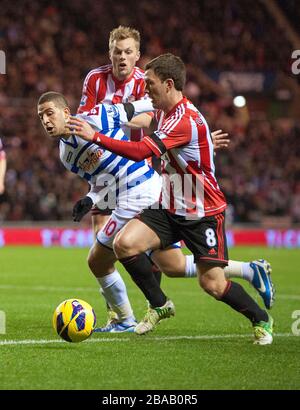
x,y
205,346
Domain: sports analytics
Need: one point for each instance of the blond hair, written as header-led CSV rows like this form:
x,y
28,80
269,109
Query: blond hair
x,y
122,33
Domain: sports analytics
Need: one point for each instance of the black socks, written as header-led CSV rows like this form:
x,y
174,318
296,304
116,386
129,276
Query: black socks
x,y
236,297
140,269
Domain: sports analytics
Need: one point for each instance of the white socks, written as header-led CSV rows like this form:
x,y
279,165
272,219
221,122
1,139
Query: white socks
x,y
115,294
190,267
234,269
237,269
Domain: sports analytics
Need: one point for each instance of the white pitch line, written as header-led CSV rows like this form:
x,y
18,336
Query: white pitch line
x,y
127,339
50,288
95,290
51,341
291,297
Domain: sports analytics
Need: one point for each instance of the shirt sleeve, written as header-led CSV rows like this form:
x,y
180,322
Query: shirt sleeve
x,y
88,98
106,117
142,106
167,138
97,193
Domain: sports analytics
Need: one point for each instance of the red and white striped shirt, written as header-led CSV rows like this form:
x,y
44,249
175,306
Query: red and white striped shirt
x,y
184,143
100,86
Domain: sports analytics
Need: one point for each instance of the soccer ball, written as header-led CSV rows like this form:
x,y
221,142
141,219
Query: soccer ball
x,y
74,320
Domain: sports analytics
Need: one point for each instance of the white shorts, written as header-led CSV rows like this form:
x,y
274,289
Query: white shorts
x,y
130,204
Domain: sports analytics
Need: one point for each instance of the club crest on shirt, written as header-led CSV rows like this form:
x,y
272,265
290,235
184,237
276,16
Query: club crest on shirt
x,y
199,121
111,109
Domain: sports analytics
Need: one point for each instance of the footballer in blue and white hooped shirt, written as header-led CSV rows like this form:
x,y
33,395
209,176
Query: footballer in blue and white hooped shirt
x,y
124,185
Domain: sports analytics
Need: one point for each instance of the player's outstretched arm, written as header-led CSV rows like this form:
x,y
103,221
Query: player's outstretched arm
x,y
140,121
220,139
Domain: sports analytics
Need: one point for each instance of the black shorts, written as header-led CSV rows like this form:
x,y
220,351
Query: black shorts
x,y
204,237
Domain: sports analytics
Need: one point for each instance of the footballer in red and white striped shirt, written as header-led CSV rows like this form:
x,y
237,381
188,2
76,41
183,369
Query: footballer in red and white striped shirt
x,y
101,85
184,143
119,82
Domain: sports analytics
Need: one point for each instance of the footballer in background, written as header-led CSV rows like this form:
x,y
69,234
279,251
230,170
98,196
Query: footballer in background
x,y
118,82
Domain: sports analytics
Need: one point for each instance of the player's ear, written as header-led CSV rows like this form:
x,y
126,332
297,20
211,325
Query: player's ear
x,y
138,55
169,83
67,112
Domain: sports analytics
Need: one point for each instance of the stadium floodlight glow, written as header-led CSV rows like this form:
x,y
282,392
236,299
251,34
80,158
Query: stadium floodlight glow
x,y
239,101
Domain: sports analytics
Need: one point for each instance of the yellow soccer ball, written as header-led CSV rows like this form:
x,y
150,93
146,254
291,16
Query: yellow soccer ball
x,y
74,320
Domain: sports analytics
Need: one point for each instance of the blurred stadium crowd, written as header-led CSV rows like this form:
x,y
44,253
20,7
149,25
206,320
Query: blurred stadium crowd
x,y
52,45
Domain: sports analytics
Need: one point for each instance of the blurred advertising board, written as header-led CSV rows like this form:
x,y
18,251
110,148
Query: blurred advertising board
x,y
71,237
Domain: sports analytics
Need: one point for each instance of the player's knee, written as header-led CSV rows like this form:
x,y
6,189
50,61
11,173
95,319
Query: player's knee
x,y
124,245
211,286
95,263
92,260
99,264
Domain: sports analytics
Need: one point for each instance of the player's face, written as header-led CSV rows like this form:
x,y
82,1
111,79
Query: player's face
x,y
156,89
124,54
54,119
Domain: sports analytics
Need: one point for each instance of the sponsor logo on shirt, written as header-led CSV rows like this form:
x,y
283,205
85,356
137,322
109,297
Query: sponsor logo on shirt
x,y
91,160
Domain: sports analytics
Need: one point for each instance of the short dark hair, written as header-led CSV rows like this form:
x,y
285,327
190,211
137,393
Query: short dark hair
x,y
169,66
57,98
